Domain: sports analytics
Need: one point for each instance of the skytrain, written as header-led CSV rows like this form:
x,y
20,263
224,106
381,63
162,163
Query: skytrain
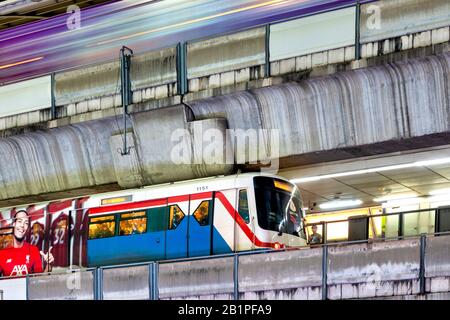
x,y
185,219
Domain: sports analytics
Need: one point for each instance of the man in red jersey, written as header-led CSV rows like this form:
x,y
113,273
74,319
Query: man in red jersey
x,y
22,258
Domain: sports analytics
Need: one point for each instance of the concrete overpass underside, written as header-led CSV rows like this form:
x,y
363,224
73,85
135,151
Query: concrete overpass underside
x,y
370,111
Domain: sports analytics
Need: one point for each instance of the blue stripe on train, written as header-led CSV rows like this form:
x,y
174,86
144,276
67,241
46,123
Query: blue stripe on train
x,y
154,246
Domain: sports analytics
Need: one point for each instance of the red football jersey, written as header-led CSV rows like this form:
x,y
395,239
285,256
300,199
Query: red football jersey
x,y
59,240
20,261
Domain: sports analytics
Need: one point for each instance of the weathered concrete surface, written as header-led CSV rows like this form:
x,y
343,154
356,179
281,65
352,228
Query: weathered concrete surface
x,y
147,70
437,259
60,159
389,19
197,279
87,155
130,283
280,270
349,109
226,53
370,270
61,286
367,111
177,146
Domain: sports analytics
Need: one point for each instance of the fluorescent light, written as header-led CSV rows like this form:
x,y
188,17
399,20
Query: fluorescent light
x,y
439,191
395,197
439,198
401,202
371,170
340,204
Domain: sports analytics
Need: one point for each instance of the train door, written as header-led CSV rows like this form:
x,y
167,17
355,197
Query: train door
x,y
223,229
200,224
244,221
177,231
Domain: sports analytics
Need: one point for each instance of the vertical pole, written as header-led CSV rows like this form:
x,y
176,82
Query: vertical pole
x,y
52,93
150,281
98,284
155,277
324,271
125,61
182,84
1,295
236,277
400,225
267,47
423,243
358,31
27,284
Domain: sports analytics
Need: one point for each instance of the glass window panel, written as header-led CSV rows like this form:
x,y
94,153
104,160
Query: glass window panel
x,y
103,218
201,214
102,230
243,206
176,215
133,215
133,226
157,219
315,233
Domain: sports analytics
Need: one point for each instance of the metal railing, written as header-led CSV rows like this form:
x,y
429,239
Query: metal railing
x,y
153,266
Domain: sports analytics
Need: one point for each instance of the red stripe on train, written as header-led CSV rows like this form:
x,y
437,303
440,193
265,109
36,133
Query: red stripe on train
x,y
127,206
237,217
199,196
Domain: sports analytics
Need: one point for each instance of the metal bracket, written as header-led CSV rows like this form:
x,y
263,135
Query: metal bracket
x,y
125,63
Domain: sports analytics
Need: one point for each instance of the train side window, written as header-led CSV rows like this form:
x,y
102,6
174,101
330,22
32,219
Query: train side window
x,y
201,214
102,227
157,219
243,205
176,215
133,223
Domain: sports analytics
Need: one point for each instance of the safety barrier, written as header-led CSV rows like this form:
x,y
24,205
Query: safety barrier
x,y
356,269
224,60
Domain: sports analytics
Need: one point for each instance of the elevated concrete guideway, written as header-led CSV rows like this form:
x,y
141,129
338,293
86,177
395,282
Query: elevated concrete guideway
x,y
326,106
370,111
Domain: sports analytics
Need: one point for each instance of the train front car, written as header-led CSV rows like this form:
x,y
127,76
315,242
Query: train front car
x,y
279,212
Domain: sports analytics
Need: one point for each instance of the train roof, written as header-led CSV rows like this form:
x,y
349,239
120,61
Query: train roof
x,y
223,180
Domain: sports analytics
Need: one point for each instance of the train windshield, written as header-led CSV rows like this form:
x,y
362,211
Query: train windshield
x,y
279,206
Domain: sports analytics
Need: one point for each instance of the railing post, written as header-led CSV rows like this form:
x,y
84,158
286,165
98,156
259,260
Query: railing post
x,y
27,284
155,281
182,82
236,277
98,284
267,57
52,95
423,243
400,225
358,31
324,271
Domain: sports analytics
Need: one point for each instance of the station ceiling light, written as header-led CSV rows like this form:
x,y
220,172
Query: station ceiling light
x,y
336,204
401,202
425,163
396,197
439,192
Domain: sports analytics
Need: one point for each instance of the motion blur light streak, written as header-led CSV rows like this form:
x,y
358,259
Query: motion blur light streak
x,y
185,23
141,25
20,62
